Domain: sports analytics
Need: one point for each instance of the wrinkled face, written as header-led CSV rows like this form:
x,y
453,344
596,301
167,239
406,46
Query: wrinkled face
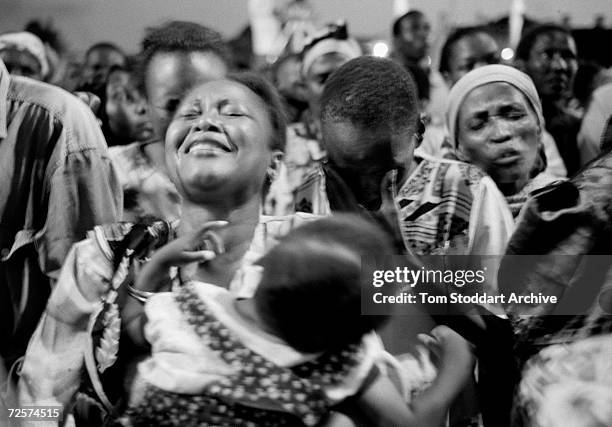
x,y
362,157
467,53
218,143
21,63
413,40
498,131
317,75
552,64
98,63
170,75
126,108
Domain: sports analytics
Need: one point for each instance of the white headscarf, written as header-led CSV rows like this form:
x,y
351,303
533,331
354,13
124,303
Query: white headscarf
x,y
28,42
482,76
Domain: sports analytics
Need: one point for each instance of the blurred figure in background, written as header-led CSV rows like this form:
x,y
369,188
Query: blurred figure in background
x,y
99,59
124,111
547,53
286,76
24,55
296,187
465,49
595,124
411,33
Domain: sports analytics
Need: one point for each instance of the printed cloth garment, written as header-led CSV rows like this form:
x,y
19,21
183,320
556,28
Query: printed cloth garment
x,y
450,207
147,190
234,382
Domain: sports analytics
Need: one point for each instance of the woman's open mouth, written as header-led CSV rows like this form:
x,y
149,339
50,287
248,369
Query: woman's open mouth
x,y
508,159
209,145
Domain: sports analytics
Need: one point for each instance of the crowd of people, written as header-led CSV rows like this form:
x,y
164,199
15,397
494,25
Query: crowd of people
x,y
184,242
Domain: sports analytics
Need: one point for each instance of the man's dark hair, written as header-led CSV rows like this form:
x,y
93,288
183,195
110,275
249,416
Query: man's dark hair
x,y
371,92
310,292
529,38
453,38
107,46
182,36
396,29
271,99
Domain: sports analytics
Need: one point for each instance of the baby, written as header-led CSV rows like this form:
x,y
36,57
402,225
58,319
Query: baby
x,y
291,355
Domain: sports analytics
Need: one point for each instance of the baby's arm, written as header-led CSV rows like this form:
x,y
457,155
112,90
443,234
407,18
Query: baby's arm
x,y
380,404
154,274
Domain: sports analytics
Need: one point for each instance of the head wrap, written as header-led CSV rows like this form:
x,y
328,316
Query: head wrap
x,y
482,76
348,47
27,42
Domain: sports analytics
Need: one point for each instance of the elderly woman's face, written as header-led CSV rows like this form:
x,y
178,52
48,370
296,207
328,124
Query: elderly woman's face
x,y
498,131
218,143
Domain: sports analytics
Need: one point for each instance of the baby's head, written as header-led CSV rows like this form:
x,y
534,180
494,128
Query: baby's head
x,y
310,291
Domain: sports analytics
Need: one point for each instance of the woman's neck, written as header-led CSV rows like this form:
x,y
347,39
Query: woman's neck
x,y
511,188
237,236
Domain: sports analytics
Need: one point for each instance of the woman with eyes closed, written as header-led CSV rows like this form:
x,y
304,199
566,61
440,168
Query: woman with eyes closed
x,y
174,57
495,122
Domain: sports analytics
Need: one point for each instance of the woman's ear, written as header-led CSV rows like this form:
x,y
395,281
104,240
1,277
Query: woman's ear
x,y
275,164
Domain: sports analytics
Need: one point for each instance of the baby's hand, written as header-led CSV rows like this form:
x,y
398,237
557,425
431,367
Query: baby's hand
x,y
448,348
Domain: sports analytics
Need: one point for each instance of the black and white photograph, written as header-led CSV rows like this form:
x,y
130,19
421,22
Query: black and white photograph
x,y
316,213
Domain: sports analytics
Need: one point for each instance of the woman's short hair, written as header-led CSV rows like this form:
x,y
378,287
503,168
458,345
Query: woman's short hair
x,y
271,99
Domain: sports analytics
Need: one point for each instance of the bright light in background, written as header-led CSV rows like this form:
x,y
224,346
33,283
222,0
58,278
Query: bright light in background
x,y
507,54
380,49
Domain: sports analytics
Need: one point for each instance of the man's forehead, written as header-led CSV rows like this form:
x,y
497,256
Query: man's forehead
x,y
554,38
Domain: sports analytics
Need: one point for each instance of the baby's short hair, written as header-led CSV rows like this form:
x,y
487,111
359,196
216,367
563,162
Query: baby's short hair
x,y
310,292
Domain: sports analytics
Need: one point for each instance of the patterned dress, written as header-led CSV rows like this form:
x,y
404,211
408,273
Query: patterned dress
x,y
231,383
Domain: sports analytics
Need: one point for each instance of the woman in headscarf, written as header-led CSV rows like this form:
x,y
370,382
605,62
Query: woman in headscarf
x,y
24,55
495,122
